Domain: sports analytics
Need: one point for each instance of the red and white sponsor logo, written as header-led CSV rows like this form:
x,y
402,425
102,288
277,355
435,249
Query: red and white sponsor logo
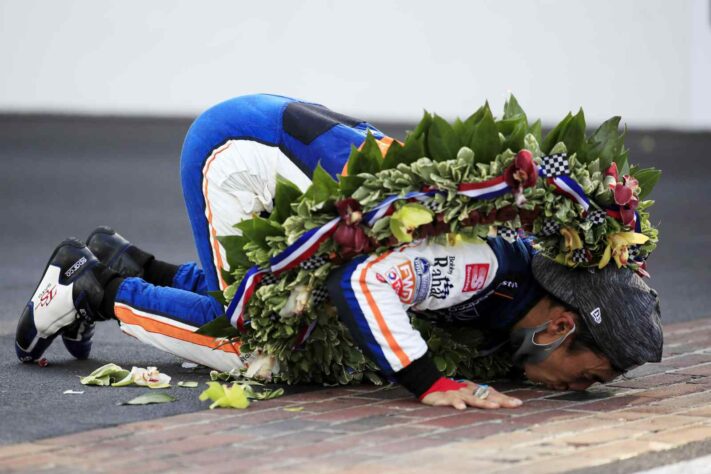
x,y
46,297
475,277
402,279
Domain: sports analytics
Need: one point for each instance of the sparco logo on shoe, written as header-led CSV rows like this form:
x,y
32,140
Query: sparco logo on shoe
x,y
75,267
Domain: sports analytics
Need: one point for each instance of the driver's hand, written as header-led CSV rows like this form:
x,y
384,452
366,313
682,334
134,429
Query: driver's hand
x,y
464,397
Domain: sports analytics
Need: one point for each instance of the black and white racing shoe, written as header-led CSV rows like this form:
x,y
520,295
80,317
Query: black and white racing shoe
x,y
77,338
116,252
69,293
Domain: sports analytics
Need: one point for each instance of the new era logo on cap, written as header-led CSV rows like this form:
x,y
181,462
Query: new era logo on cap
x,y
596,315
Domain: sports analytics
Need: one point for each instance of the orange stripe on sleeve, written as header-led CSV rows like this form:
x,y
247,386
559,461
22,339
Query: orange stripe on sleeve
x,y
213,233
125,315
394,346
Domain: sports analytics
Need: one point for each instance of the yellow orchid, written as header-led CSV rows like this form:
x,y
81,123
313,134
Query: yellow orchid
x,y
572,239
618,247
572,242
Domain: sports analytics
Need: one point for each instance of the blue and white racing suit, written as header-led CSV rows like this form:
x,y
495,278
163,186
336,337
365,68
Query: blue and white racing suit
x,y
231,157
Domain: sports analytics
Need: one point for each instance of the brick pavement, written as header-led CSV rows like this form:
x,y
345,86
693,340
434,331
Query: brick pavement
x,y
382,429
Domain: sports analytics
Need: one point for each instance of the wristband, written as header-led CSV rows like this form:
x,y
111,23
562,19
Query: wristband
x,y
443,384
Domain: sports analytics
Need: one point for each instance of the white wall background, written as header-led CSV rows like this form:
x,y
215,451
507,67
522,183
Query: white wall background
x,y
648,60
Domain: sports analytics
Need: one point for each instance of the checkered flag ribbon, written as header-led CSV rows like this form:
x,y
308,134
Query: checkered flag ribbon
x,y
634,253
314,262
432,205
318,295
597,216
580,256
550,227
269,279
507,233
555,165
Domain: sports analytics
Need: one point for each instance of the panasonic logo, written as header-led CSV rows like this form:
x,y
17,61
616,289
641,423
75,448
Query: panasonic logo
x,y
75,267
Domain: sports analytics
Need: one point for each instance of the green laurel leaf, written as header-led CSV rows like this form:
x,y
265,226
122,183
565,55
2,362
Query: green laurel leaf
x,y
442,142
485,140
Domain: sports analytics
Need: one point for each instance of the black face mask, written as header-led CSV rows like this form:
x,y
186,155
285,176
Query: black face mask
x,y
529,351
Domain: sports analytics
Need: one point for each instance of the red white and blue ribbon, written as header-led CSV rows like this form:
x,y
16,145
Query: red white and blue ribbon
x,y
235,311
303,248
489,189
614,212
308,244
569,188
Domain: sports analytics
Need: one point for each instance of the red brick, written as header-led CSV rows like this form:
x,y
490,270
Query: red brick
x,y
688,360
477,431
378,437
337,404
388,393
469,417
87,436
548,416
701,380
426,411
294,438
369,423
318,395
406,405
195,443
612,403
528,394
508,385
533,406
255,418
310,451
672,390
348,414
647,369
410,445
687,326
651,381
703,370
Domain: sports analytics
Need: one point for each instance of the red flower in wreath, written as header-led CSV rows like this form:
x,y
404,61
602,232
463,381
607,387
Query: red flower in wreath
x,y
521,174
625,197
349,235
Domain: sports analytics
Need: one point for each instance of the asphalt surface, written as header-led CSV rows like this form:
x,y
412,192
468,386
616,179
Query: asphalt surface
x,y
62,176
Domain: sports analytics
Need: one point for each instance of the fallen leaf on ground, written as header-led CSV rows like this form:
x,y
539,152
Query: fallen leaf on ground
x,y
105,375
73,392
293,408
224,396
115,376
187,384
149,398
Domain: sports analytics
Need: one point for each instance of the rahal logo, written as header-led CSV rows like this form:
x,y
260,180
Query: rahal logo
x,y
596,315
75,267
46,297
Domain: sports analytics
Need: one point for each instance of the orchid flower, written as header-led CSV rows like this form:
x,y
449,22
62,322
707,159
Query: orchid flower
x,y
618,247
296,303
572,242
626,198
522,173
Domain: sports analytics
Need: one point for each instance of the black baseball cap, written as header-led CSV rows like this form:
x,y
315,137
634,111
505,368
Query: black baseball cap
x,y
618,307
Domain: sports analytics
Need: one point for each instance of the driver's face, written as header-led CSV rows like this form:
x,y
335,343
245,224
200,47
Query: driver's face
x,y
564,370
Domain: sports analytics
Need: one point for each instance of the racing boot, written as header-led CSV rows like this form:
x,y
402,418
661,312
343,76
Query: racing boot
x,y
68,294
117,253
